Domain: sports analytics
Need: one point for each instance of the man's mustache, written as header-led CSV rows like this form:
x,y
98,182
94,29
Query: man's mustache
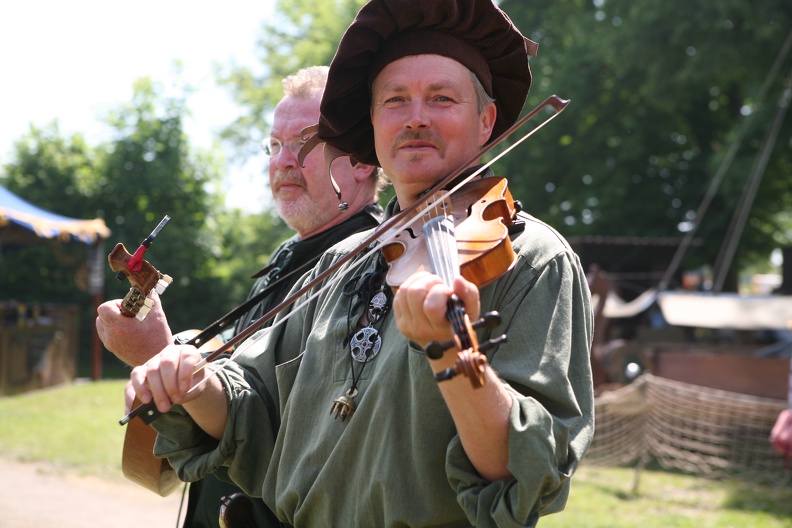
x,y
291,177
429,136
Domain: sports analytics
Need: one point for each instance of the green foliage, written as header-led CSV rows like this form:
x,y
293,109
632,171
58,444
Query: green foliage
x,y
658,92
302,33
58,174
247,240
149,171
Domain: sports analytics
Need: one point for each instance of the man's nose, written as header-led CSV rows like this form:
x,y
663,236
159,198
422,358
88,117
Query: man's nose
x,y
286,158
418,117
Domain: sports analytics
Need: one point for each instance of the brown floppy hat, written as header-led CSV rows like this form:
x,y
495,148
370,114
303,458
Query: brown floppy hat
x,y
475,33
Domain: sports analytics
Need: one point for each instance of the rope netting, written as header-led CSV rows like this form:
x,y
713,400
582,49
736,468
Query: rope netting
x,y
694,429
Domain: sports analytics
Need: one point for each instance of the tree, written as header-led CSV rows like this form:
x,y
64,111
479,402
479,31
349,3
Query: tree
x,y
658,93
57,174
147,171
302,33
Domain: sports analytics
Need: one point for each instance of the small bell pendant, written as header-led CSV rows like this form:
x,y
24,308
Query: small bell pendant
x,y
344,406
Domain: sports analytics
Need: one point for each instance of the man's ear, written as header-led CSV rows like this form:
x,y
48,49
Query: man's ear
x,y
487,123
363,172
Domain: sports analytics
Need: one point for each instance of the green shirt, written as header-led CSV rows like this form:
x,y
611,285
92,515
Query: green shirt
x,y
285,267
398,460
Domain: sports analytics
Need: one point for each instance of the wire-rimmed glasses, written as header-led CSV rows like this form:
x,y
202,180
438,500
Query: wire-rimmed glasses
x,y
272,146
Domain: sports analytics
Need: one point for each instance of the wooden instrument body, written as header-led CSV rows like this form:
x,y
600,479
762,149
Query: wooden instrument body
x,y
477,247
483,210
138,462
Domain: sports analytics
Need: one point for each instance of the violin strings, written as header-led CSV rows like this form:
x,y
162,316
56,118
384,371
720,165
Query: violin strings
x,y
441,245
440,241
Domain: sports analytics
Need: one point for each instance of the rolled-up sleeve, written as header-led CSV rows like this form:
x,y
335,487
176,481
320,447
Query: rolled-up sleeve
x,y
546,365
193,453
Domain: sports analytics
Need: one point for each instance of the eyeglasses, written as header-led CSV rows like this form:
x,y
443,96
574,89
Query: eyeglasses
x,y
272,147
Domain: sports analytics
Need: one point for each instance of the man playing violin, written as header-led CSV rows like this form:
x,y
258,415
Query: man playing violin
x,y
306,201
372,430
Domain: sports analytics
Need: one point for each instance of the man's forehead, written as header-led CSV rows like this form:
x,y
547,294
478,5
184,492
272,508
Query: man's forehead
x,y
292,114
437,73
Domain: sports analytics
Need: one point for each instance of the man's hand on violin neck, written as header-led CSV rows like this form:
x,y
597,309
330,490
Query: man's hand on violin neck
x,y
420,306
133,341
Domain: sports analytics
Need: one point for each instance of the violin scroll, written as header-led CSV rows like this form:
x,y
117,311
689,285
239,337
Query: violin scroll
x,y
141,274
136,302
469,363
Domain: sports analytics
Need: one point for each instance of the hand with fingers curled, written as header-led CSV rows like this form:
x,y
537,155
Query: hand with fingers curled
x,y
133,341
167,378
421,303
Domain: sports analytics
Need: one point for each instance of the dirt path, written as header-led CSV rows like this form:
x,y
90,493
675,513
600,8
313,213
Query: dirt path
x,y
38,496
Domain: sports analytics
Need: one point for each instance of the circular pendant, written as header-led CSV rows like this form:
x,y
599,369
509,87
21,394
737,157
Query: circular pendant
x,y
365,344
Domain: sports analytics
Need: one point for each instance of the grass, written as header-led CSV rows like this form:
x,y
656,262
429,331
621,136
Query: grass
x,y
75,428
602,498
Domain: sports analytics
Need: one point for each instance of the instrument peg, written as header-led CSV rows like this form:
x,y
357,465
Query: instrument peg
x,y
435,350
491,343
490,320
144,309
469,364
162,284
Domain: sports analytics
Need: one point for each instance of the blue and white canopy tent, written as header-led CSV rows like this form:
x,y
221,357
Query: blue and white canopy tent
x,y
23,223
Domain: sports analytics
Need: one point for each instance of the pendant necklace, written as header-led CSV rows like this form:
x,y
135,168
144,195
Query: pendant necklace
x,y
365,343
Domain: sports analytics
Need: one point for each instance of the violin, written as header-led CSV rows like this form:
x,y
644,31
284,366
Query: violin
x,y
465,234
138,462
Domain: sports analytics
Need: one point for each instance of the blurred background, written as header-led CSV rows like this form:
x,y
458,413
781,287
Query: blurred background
x,y
669,173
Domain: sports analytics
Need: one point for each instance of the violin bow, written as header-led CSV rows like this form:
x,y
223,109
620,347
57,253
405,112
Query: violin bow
x,y
387,230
